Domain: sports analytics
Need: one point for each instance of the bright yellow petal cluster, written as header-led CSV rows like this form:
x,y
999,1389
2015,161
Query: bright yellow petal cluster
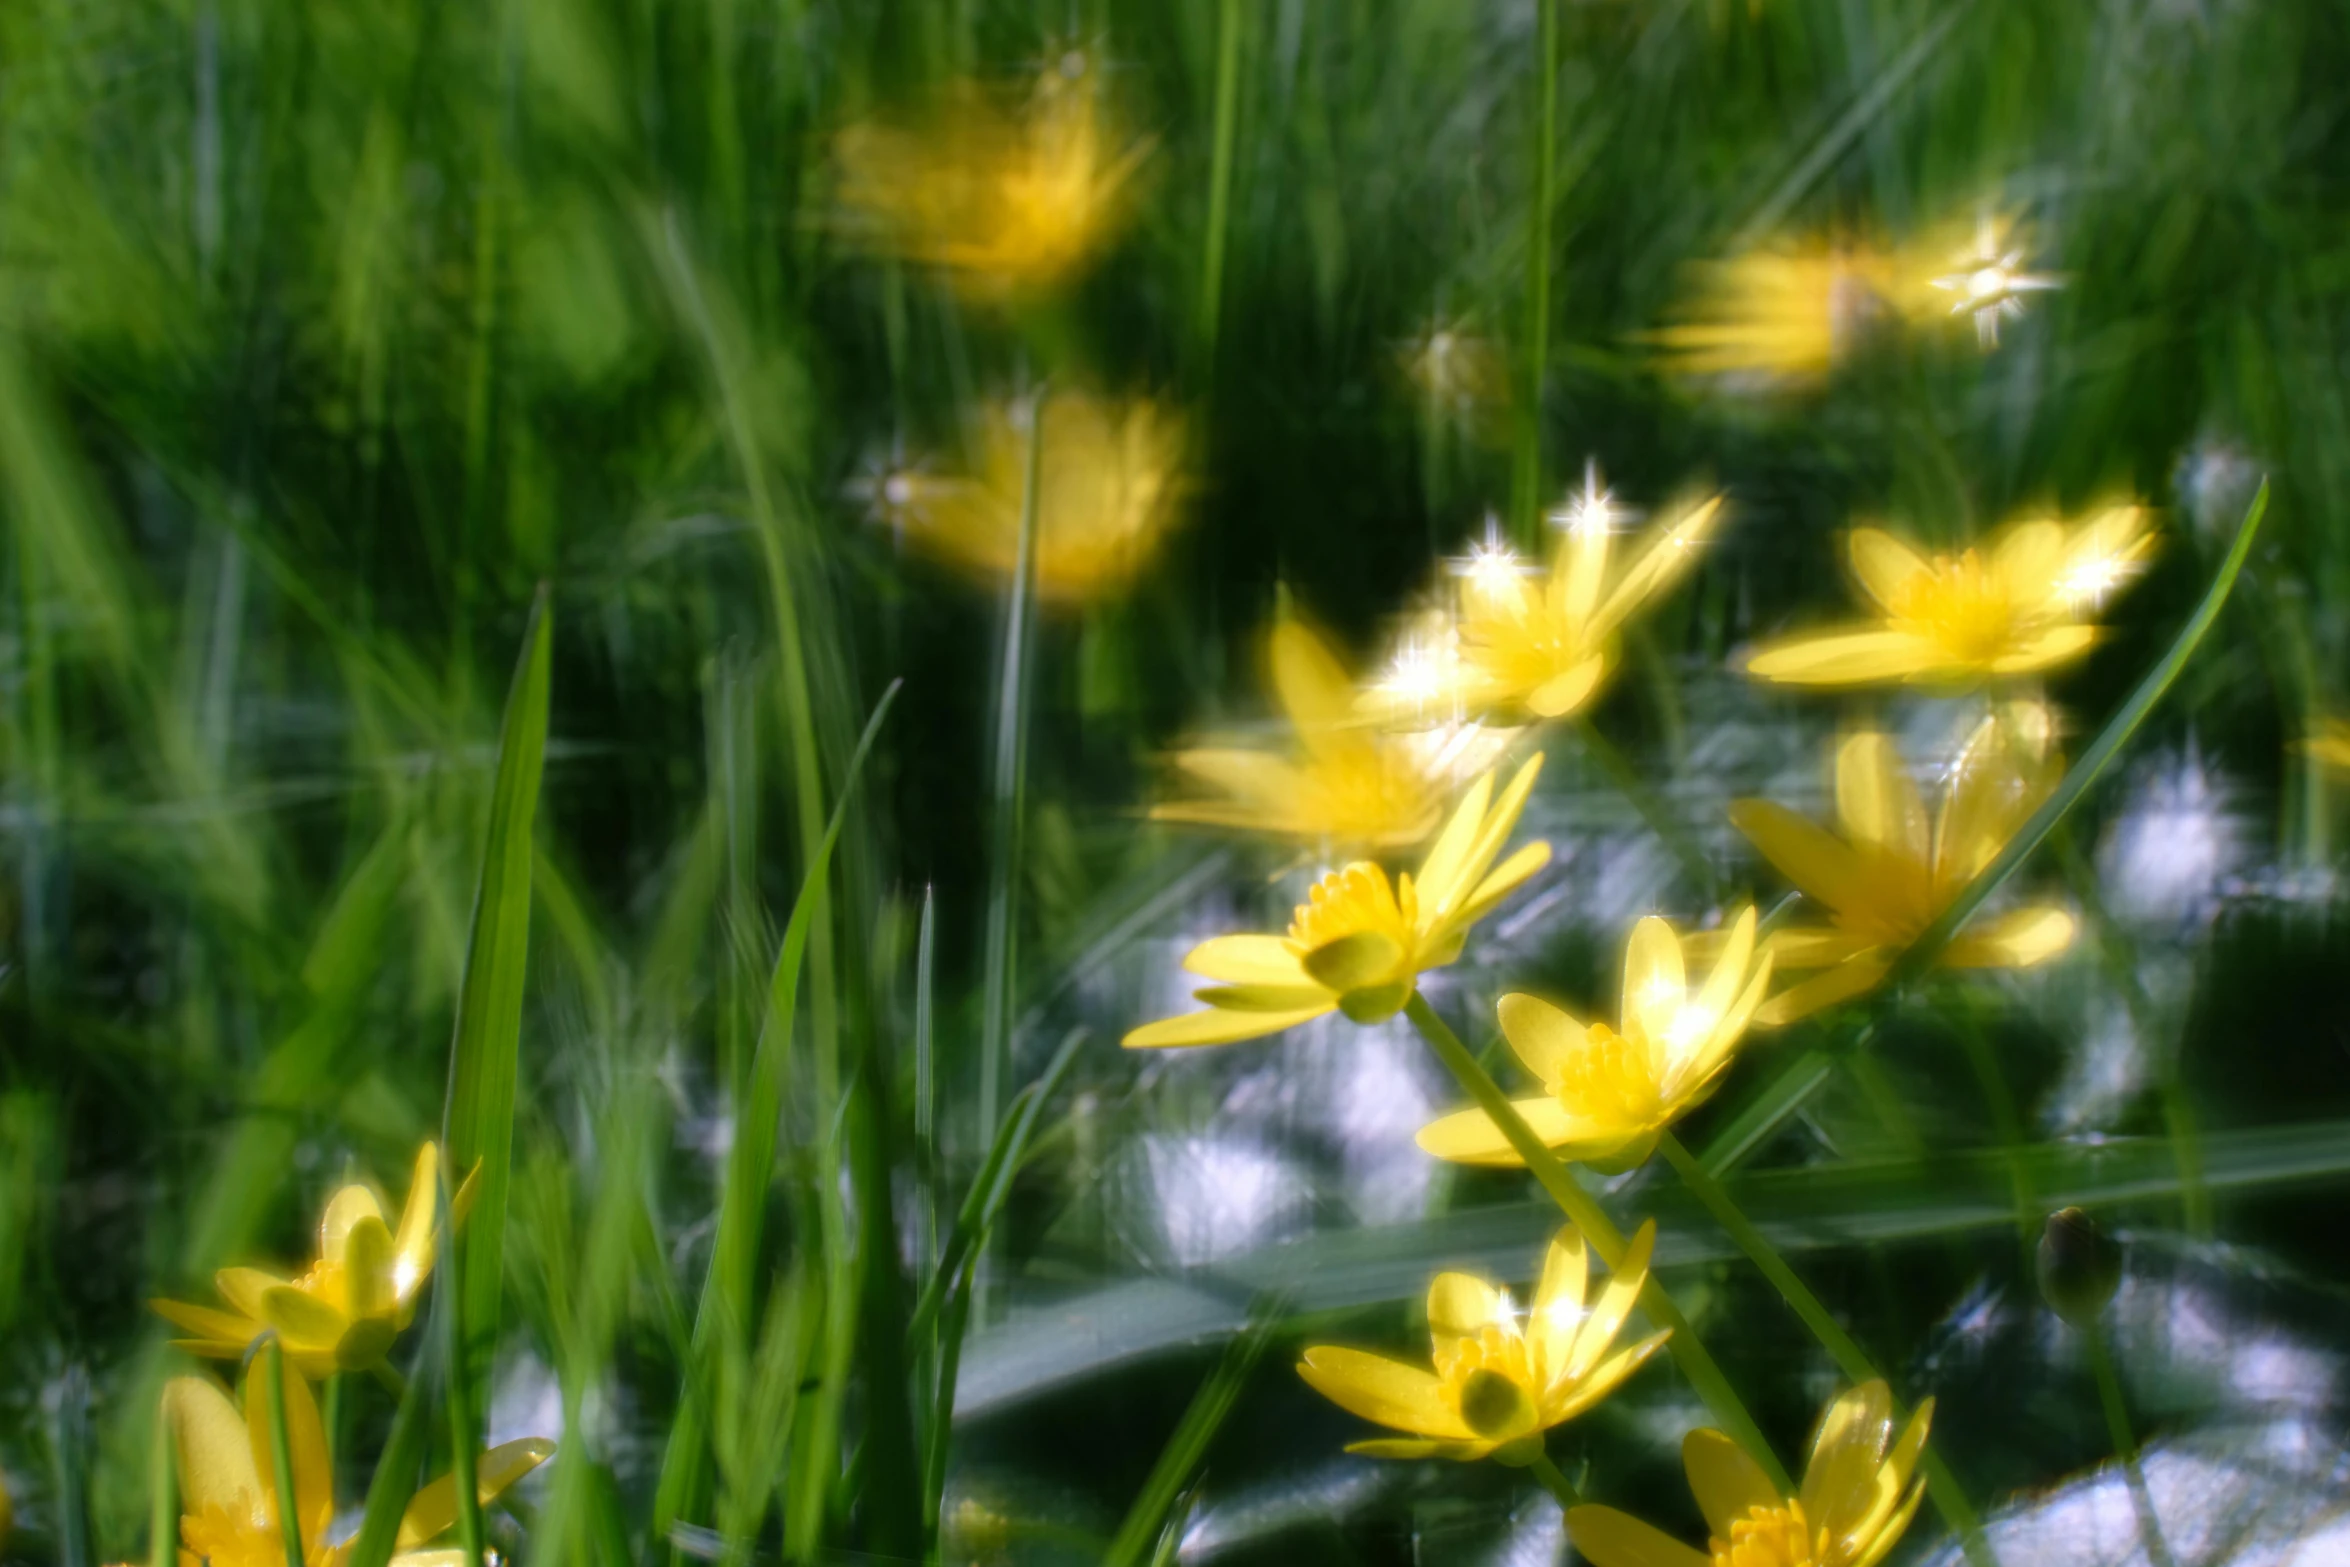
x,y
1857,1498
1347,782
1609,1093
1110,481
1359,942
1890,875
2018,607
343,1314
228,1480
1002,203
1781,313
1543,644
1500,1378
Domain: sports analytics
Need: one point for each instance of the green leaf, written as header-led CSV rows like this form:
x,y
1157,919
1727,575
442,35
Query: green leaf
x,y
1920,954
478,1124
1139,1533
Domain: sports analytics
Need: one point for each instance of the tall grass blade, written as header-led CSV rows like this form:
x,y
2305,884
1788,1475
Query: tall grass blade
x,y
1138,1535
478,1122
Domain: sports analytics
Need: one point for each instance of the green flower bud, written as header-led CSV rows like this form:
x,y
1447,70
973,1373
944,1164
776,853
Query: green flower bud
x,y
2079,1267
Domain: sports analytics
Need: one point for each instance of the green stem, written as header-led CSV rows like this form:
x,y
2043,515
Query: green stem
x,y
163,1507
2125,1445
281,1451
1560,1486
1581,1209
1526,490
1629,784
1949,1500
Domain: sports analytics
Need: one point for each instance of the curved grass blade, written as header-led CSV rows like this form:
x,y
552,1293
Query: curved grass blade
x,y
478,1121
1139,1533
403,1452
1920,954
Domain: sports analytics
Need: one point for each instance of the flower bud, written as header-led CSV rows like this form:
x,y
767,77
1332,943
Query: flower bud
x,y
2079,1267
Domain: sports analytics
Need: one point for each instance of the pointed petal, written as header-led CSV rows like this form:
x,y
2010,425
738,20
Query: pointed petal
x,y
314,1501
1812,946
1264,998
243,1289
222,1327
367,1269
305,1322
1615,1302
434,1509
1877,803
343,1210
1383,1391
1443,873
1470,1136
1414,1447
1558,1299
1259,781
2057,645
2019,938
1729,973
1460,1305
1613,1539
1821,865
1656,986
1544,1037
215,1455
1845,658
1841,1472
1725,1479
1566,692
1988,797
2030,555
1668,551
1506,878
413,1247
1593,1386
1313,686
1822,991
1246,960
1218,1027
1885,567
1492,833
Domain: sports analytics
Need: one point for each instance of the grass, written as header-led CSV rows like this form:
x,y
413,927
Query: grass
x,y
453,685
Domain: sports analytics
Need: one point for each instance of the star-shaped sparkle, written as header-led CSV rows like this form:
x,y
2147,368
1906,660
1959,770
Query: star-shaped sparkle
x,y
1990,285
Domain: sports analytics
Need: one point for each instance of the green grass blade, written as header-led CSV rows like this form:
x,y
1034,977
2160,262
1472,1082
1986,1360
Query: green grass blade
x,y
404,1449
478,1123
1139,1533
1921,953
1767,1111
993,1183
281,1449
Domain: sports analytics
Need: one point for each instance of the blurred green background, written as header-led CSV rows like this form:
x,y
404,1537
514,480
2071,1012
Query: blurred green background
x,y
332,333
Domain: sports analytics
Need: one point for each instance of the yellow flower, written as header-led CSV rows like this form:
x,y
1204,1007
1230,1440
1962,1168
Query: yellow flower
x,y
1544,644
343,1314
1003,204
1889,877
2330,744
2016,608
1359,944
1786,313
1110,480
228,1480
1352,785
1501,1379
1856,1500
1609,1094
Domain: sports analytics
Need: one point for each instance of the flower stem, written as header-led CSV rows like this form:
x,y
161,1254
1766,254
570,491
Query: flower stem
x,y
2125,1445
1941,1484
281,1450
1583,1210
1560,1486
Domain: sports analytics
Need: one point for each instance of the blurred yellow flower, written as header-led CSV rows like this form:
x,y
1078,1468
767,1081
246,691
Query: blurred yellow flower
x,y
1351,784
1002,203
1501,1378
1857,1497
1110,481
1782,313
228,1480
1360,942
1888,877
2330,743
343,1314
1987,281
2018,607
1542,642
1609,1094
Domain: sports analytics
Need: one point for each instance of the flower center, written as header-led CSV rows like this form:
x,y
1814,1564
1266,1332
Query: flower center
x,y
1962,605
1612,1079
1772,1537
1491,1378
1353,900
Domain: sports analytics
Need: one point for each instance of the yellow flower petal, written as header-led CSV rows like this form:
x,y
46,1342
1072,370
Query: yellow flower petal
x,y
1246,960
1462,1305
1656,986
1841,983
1470,1136
1544,1037
1876,801
1850,1441
216,1466
314,1501
2017,939
1416,1447
1820,864
1613,1539
1731,965
305,1322
367,1268
1667,552
1565,693
1445,871
1725,1479
1813,946
1885,565
243,1289
1312,685
1558,1298
344,1210
434,1509
1354,961
1615,1302
1217,1027
1264,998
1383,1391
2057,645
217,1327
1506,878
414,1245
1844,658
1594,1385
